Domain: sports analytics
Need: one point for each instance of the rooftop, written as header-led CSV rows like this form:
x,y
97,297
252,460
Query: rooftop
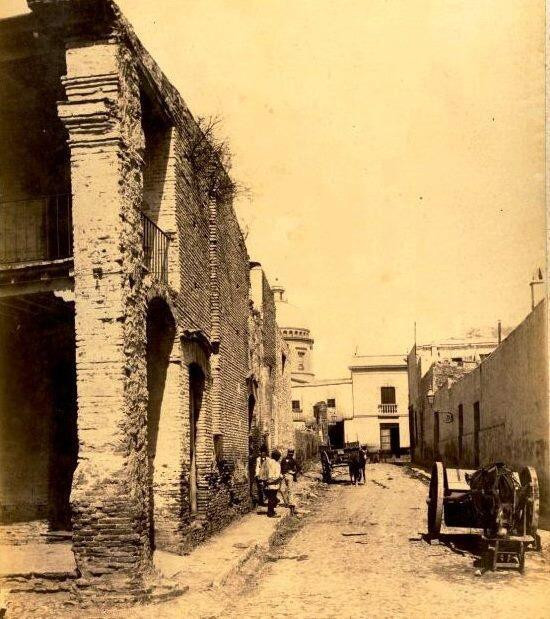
x,y
378,361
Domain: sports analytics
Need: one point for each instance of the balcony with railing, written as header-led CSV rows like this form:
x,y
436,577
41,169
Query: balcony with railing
x,y
39,231
35,230
387,409
155,249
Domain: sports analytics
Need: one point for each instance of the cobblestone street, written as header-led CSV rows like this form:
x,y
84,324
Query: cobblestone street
x,y
322,572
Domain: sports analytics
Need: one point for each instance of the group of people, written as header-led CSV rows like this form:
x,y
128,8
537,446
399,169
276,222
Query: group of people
x,y
275,476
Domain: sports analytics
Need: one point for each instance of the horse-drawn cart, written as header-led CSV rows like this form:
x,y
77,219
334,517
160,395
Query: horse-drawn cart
x,y
332,458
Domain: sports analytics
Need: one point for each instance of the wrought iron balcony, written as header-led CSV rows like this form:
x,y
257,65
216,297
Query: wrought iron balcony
x,y
155,249
387,409
36,229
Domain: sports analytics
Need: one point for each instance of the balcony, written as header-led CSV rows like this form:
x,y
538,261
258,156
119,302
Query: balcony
x,y
387,409
38,230
35,230
298,415
155,249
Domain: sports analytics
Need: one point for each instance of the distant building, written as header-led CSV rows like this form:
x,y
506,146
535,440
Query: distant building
x,y
380,417
453,358
336,394
297,336
370,406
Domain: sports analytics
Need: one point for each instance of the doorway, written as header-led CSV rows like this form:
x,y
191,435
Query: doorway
x,y
390,441
196,390
336,434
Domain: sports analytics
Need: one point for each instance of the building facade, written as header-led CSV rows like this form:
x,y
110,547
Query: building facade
x,y
369,407
496,410
125,375
269,386
380,417
336,394
429,366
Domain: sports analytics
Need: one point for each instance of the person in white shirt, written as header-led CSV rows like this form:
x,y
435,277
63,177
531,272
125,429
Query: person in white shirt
x,y
271,474
258,474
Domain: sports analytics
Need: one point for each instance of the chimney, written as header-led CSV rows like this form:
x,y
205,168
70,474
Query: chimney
x,y
499,331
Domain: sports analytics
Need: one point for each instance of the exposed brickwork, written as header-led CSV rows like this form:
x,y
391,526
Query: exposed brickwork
x,y
164,370
269,382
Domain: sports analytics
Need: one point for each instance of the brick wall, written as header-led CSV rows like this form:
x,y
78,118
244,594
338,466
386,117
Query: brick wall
x,y
130,136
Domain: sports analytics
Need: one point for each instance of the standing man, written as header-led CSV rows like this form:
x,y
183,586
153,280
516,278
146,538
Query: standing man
x,y
289,472
260,460
271,474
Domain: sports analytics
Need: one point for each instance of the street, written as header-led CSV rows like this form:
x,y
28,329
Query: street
x,y
380,571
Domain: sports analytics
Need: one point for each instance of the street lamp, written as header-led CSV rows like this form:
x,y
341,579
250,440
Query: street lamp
x,y
430,397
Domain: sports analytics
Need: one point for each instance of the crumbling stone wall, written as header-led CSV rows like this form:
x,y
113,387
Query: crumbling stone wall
x,y
130,138
270,370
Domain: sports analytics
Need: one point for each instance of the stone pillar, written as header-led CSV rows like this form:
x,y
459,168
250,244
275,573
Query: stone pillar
x,y
109,496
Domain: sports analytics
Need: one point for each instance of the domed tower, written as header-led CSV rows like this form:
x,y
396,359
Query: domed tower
x,y
300,343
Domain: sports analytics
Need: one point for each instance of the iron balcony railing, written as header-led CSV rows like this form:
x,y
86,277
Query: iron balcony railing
x,y
36,229
155,249
387,409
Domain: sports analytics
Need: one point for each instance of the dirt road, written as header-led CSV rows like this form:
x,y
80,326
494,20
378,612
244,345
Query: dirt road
x,y
321,572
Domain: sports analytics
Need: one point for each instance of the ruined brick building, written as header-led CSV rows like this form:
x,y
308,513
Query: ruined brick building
x,y
126,380
269,398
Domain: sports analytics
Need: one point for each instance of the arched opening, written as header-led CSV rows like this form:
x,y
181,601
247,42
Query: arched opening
x,y
161,332
196,391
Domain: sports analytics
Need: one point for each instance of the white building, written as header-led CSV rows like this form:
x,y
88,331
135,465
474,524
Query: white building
x,y
380,393
370,406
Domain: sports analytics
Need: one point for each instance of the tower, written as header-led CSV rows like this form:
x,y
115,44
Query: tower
x,y
292,324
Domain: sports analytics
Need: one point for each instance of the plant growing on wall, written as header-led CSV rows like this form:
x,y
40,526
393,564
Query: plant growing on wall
x,y
210,159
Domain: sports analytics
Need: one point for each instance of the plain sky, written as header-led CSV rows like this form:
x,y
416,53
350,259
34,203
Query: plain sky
x,y
393,148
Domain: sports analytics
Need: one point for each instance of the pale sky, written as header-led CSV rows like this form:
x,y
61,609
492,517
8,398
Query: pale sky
x,y
394,150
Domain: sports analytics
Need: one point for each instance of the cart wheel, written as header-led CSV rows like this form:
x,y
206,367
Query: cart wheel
x,y
528,475
435,499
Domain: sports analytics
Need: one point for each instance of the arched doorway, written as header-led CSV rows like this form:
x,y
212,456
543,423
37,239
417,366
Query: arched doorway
x,y
196,392
161,332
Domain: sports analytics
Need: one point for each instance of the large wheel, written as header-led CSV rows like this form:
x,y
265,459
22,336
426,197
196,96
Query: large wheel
x,y
528,476
435,499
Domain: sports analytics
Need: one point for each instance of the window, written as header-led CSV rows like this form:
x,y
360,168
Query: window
x,y
331,403
301,367
301,354
458,360
387,395
295,405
